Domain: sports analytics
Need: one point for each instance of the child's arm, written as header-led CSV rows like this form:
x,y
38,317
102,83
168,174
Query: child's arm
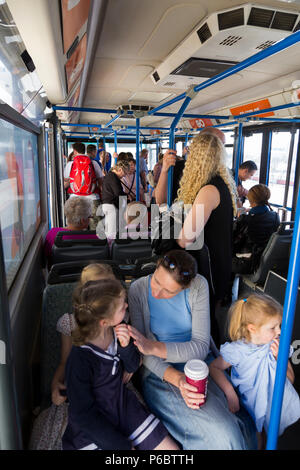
x,y
59,376
290,373
216,369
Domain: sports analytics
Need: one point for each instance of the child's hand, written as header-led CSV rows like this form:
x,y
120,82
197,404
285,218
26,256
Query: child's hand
x,y
122,334
233,402
275,347
56,397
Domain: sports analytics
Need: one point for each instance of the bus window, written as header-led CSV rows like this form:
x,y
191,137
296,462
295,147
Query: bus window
x,y
229,140
252,151
278,165
19,194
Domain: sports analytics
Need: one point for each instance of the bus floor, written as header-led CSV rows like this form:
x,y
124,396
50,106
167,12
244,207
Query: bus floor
x,y
290,439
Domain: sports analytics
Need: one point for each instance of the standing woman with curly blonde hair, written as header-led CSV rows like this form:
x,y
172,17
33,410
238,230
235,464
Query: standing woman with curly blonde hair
x,y
207,185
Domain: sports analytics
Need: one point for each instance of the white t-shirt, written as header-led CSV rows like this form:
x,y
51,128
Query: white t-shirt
x,y
98,173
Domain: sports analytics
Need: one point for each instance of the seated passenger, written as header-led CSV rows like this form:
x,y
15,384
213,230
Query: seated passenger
x,y
78,212
255,333
103,414
50,424
169,312
252,231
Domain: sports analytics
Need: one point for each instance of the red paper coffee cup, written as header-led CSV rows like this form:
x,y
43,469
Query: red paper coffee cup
x,y
196,373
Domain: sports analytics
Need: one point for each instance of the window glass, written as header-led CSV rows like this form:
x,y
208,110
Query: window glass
x,y
19,194
252,151
293,168
278,165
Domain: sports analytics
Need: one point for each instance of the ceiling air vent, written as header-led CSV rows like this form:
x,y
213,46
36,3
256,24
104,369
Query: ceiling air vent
x,y
169,84
265,45
231,19
204,33
205,68
284,21
260,17
230,40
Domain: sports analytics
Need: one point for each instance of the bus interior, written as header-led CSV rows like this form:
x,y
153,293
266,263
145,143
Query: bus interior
x,y
135,74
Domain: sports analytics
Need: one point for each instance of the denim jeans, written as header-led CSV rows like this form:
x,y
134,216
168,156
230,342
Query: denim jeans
x,y
211,427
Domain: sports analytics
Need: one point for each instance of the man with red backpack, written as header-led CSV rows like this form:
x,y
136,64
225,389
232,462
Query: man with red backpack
x,y
82,177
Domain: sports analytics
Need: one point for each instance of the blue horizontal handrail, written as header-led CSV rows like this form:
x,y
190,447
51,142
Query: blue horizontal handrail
x,y
131,113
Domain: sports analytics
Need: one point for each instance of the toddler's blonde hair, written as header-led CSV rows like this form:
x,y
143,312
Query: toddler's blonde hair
x,y
257,309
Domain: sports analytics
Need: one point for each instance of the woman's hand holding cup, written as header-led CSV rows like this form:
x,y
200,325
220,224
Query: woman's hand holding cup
x,y
189,393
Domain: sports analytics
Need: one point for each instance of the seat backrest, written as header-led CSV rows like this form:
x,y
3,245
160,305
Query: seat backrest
x,y
57,300
65,250
70,272
275,256
128,251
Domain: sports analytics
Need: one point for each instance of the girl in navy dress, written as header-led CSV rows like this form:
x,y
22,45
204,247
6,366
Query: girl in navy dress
x,y
252,355
103,413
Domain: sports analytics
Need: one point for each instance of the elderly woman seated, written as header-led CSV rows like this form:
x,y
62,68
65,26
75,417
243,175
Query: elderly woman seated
x,y
78,211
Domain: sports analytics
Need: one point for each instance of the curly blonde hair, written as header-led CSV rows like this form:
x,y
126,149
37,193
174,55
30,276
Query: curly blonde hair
x,y
205,160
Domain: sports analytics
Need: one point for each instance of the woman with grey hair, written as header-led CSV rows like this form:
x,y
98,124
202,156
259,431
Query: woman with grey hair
x,y
78,211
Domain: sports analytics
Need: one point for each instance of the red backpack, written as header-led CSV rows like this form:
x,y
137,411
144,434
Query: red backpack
x,y
82,176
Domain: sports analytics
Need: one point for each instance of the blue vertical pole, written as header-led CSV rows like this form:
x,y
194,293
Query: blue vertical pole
x,y
269,157
172,145
157,149
286,332
137,168
116,144
238,152
186,142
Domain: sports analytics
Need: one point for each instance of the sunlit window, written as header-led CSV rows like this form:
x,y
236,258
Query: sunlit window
x,y
252,151
19,194
278,165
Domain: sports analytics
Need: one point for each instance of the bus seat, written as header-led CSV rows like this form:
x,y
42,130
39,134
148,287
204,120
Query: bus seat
x,y
275,256
127,251
57,300
65,250
70,271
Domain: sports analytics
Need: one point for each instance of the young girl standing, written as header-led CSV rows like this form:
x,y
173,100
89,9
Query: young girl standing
x,y
103,413
254,330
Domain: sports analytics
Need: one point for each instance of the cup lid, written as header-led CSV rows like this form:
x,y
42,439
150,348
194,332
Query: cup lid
x,y
196,369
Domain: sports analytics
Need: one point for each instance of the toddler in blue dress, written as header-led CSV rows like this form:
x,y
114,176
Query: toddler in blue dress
x,y
252,355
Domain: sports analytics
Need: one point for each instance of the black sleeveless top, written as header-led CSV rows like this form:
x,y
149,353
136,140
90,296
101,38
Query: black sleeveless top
x,y
218,238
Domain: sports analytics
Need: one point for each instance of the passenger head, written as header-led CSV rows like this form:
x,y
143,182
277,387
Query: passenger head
x,y
130,155
96,272
144,154
132,164
91,150
78,148
249,318
259,195
247,170
122,157
214,131
78,212
121,168
204,161
160,157
174,272
99,305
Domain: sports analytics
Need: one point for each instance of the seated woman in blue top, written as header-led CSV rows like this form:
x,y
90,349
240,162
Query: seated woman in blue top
x,y
170,324
252,231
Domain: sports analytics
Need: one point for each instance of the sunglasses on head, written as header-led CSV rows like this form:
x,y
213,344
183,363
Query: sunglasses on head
x,y
172,265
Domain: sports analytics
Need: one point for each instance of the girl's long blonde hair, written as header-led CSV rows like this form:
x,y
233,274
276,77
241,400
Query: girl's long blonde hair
x,y
257,309
205,160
